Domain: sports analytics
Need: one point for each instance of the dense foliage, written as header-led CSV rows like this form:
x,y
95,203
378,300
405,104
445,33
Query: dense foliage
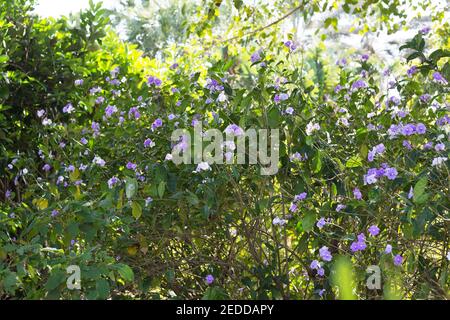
x,y
86,180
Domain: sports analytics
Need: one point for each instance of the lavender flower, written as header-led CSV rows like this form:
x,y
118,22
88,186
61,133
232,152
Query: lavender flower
x,y
398,260
131,166
437,77
357,193
148,143
68,108
321,223
325,254
388,249
209,279
374,230
112,182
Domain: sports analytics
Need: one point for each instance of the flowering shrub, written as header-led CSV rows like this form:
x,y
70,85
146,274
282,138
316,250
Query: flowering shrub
x,y
362,174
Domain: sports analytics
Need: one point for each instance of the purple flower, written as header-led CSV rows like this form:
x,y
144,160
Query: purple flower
x,y
407,144
154,81
321,223
209,279
374,230
8,194
290,45
99,100
388,249
437,77
156,124
46,167
408,129
256,56
341,62
134,112
234,130
357,193
79,82
314,264
110,110
54,213
439,147
391,173
421,128
364,57
425,30
68,108
280,97
321,272
358,84
398,260
83,141
340,207
289,110
425,98
338,88
148,143
293,207
112,182
174,66
131,166
300,197
360,244
411,71
213,85
325,254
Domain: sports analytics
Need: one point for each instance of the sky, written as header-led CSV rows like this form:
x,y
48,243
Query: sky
x,y
54,8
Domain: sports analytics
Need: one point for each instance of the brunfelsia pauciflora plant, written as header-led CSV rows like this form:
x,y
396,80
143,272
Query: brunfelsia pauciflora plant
x,y
363,173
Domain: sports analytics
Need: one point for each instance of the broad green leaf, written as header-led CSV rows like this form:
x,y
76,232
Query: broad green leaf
x,y
419,190
136,210
308,221
354,162
126,272
102,286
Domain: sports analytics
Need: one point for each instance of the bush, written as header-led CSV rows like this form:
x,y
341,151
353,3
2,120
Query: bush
x,y
363,172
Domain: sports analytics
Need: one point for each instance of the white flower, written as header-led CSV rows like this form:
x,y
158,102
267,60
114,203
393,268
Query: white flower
x,y
168,157
24,171
448,256
438,161
202,166
311,127
40,113
46,122
278,222
222,97
99,161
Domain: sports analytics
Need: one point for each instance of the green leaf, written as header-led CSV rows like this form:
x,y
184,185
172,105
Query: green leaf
x,y
136,210
438,54
161,188
419,190
317,162
274,118
102,286
131,186
126,272
354,162
308,221
215,293
56,278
